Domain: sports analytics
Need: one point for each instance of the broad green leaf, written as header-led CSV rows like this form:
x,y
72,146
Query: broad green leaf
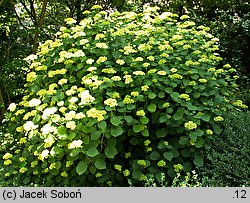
x,y
196,133
92,152
161,132
169,90
191,107
74,152
86,129
144,120
163,118
95,134
161,95
102,125
185,152
111,141
152,108
92,169
186,82
100,164
79,126
168,155
71,136
58,165
196,95
56,151
128,119
110,152
206,117
86,139
145,132
136,174
183,140
131,106
199,143
138,128
37,118
151,95
217,129
198,160
116,120
154,156
116,131
179,113
175,95
116,54
188,90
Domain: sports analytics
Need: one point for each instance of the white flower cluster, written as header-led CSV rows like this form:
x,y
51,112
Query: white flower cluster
x,y
86,98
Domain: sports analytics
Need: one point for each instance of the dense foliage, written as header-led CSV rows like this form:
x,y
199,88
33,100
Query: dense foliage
x,y
23,25
227,163
117,97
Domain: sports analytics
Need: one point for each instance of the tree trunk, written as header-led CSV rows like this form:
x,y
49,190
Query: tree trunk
x,y
39,25
78,11
2,110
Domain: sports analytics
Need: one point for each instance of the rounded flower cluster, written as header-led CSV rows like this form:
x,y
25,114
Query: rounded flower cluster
x,y
190,125
111,102
218,118
140,113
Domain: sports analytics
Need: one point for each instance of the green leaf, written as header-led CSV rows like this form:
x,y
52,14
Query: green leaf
x,y
138,128
152,108
183,140
95,134
110,152
72,79
102,125
100,164
128,119
199,143
79,126
144,120
163,118
136,173
145,132
168,155
196,95
154,156
74,152
175,95
62,133
191,107
185,152
111,141
179,113
37,118
169,90
116,120
196,133
116,54
186,82
116,131
161,95
217,129
206,117
151,95
92,152
79,66
161,132
198,160
131,106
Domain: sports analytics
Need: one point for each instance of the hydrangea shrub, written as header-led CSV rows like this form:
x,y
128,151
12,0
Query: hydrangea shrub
x,y
121,96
